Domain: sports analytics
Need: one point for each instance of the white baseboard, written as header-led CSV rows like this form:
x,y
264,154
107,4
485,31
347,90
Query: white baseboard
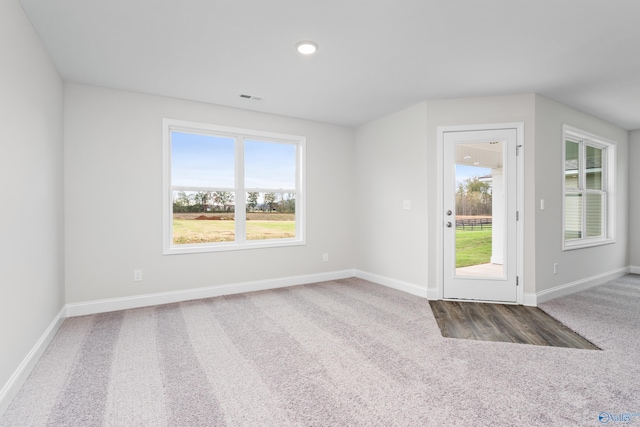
x,y
579,285
137,301
11,388
432,293
530,300
393,283
124,303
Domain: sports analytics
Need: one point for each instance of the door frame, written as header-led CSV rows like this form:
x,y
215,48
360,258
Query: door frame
x,y
519,127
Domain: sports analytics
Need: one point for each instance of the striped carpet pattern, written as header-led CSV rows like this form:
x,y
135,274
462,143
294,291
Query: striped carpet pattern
x,y
340,353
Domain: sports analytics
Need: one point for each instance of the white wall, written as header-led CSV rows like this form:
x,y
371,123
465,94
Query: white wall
x,y
581,264
31,218
634,199
113,201
471,111
390,167
113,195
396,160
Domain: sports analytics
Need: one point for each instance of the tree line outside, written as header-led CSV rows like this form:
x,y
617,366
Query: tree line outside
x,y
473,197
224,201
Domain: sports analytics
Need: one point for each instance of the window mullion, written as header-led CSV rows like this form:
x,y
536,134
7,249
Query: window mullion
x,y
299,192
605,192
582,174
605,210
241,211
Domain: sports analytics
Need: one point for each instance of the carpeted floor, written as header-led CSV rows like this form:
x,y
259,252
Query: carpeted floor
x,y
331,354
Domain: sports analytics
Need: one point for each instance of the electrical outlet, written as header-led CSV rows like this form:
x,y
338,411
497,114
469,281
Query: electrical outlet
x,y
137,275
325,257
555,268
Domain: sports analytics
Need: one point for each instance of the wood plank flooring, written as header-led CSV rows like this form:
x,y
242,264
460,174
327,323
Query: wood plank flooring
x,y
505,323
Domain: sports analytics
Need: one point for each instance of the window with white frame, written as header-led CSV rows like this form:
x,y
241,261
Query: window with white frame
x,y
229,188
589,189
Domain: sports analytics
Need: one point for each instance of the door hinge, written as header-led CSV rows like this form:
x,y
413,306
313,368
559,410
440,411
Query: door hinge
x,y
518,149
517,281
517,215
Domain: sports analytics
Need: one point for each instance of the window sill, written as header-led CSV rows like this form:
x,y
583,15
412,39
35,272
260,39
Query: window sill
x,y
230,246
581,244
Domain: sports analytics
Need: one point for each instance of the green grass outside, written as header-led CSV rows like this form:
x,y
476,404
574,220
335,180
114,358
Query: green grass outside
x,y
258,230
473,247
195,231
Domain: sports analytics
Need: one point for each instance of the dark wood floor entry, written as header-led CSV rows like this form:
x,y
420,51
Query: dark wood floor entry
x,y
505,323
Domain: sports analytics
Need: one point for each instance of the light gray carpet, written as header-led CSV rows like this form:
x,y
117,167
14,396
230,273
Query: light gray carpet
x,y
331,354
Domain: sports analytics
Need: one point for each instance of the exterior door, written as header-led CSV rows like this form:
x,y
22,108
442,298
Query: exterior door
x,y
479,199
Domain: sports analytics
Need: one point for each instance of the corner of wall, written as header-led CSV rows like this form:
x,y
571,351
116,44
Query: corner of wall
x,y
33,152
20,375
634,200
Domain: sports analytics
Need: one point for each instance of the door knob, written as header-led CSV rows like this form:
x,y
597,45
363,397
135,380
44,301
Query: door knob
x,y
449,212
449,224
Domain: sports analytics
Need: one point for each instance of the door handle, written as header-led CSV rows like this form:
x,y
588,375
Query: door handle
x,y
449,224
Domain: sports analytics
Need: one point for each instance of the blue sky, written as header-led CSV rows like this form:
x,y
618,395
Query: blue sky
x,y
465,171
209,161
269,165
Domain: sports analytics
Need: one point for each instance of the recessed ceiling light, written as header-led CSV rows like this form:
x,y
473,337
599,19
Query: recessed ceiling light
x,y
306,47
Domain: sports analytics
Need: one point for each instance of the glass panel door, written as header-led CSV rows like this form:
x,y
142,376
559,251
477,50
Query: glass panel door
x,y
479,236
479,201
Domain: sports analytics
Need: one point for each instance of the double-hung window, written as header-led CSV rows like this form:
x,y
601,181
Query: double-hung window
x,y
229,188
589,189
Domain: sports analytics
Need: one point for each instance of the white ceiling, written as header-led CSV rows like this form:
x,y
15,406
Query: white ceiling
x,y
375,57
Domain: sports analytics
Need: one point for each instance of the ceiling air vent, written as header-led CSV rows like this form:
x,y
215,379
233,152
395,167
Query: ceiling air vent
x,y
255,98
